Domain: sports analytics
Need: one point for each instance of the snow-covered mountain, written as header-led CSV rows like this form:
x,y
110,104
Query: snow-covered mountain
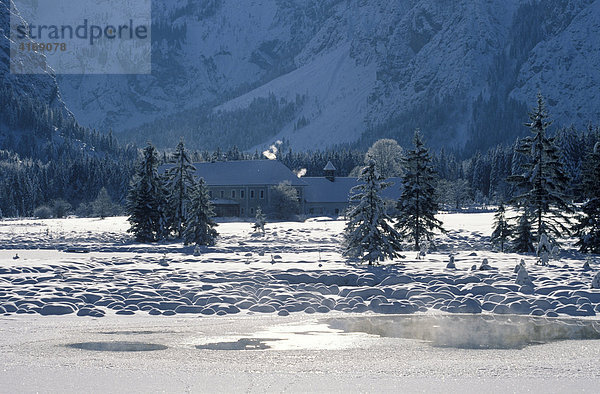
x,y
463,71
42,88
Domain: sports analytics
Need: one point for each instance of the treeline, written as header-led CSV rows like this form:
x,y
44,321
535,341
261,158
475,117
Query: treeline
x,y
541,178
26,184
481,179
204,128
46,156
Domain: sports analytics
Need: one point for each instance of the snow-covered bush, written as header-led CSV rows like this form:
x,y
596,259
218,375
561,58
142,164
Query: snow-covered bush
x,y
103,205
285,203
43,212
61,208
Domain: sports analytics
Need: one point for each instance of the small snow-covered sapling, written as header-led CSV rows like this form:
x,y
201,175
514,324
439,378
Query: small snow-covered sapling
x,y
451,264
596,281
163,261
423,250
485,265
523,278
544,250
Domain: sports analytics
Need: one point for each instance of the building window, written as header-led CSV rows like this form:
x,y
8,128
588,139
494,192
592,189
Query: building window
x,y
233,194
242,211
251,211
222,194
262,194
337,211
242,194
251,193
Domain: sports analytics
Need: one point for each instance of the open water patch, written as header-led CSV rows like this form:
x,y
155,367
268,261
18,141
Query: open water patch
x,y
240,344
139,332
472,331
118,346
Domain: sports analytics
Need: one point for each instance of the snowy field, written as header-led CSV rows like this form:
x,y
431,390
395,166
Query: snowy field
x,y
285,312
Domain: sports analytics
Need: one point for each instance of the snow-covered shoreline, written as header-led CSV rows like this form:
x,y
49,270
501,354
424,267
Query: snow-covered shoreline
x,y
295,267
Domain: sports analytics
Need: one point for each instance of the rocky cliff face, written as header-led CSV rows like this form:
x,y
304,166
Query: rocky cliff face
x,y
42,88
463,71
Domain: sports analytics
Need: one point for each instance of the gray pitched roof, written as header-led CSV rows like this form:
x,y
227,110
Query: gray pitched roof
x,y
246,172
321,190
329,167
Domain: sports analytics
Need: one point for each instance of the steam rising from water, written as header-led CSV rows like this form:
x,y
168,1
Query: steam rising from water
x,y
472,331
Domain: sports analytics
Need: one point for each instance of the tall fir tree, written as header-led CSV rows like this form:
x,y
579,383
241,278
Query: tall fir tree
x,y
418,204
180,178
502,230
588,226
146,201
543,181
368,234
199,226
523,241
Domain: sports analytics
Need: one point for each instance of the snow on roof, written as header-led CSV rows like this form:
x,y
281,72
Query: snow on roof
x,y
329,167
322,190
246,172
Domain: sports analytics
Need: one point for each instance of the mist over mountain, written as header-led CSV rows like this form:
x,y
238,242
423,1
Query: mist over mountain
x,y
321,73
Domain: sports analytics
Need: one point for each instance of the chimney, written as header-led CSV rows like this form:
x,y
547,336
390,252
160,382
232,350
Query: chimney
x,y
330,171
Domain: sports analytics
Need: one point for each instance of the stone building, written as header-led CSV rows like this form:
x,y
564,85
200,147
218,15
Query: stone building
x,y
329,195
238,188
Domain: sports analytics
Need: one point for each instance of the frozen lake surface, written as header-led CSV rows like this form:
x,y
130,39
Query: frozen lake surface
x,y
285,311
298,353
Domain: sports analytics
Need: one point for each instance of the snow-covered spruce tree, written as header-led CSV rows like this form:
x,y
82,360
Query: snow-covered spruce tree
x,y
588,226
260,220
418,204
543,181
199,226
523,241
146,201
502,230
180,178
368,234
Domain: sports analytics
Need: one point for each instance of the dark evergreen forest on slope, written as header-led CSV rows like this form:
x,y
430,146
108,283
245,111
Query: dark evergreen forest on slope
x,y
46,156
